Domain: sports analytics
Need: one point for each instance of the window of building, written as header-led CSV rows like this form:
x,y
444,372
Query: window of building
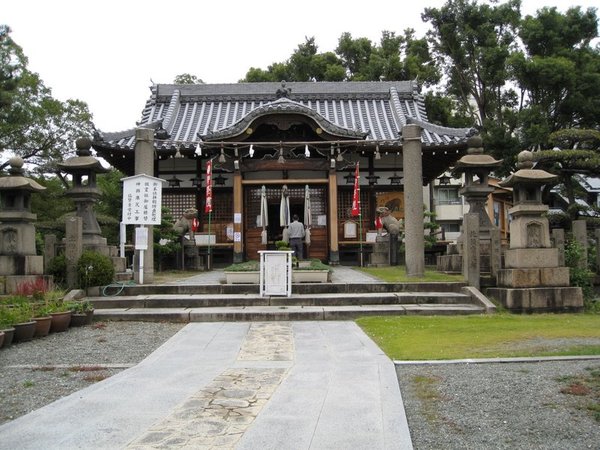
x,y
448,196
450,227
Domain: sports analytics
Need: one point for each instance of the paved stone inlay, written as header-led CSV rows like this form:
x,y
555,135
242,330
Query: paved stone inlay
x,y
217,416
268,341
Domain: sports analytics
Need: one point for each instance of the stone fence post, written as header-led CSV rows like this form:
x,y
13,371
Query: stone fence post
x,y
73,248
471,250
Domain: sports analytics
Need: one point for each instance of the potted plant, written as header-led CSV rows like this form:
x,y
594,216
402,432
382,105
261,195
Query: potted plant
x,y
312,271
246,272
60,311
35,291
42,318
82,313
7,319
24,325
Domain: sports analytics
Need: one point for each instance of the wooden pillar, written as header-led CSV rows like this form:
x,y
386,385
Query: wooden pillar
x,y
334,249
238,208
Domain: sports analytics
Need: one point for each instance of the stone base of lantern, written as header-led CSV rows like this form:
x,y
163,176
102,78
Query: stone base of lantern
x,y
530,258
541,299
535,277
21,265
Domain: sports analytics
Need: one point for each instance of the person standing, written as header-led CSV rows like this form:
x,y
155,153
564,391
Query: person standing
x,y
297,233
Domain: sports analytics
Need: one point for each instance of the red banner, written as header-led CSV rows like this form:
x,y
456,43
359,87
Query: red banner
x,y
208,207
356,194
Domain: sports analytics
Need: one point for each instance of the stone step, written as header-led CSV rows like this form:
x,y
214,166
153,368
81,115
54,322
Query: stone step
x,y
129,289
275,313
232,300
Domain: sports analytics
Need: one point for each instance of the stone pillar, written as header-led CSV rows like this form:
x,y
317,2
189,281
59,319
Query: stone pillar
x,y
413,201
49,250
238,207
144,164
558,238
471,250
334,249
580,235
495,252
73,248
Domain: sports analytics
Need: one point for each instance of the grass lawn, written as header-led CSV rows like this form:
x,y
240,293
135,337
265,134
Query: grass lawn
x,y
485,336
397,274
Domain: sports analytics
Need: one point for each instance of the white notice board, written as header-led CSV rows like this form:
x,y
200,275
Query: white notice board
x,y
142,200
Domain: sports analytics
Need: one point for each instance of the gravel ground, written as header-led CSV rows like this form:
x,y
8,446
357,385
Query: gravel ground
x,y
452,406
35,373
501,405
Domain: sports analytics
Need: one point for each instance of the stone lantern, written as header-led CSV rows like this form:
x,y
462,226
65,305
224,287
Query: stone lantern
x,y
85,193
529,227
18,259
532,279
476,166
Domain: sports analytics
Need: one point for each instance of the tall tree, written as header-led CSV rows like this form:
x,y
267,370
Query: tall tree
x,y
473,43
33,124
558,73
576,153
396,57
187,78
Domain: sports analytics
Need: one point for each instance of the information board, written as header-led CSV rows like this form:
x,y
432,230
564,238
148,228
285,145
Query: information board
x,y
142,200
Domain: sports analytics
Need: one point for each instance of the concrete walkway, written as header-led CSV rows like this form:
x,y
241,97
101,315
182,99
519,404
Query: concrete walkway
x,y
261,385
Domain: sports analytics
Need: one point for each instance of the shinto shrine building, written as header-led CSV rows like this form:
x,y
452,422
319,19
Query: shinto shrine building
x,y
285,137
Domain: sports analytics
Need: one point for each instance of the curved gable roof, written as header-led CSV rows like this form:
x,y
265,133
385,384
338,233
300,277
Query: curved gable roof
x,y
374,111
284,106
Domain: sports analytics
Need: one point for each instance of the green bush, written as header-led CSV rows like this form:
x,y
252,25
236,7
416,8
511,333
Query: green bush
x,y
94,269
57,267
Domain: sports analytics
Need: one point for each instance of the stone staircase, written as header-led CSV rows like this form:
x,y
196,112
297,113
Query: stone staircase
x,y
319,301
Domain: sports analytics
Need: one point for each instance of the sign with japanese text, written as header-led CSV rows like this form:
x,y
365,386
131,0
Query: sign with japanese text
x,y
209,185
142,200
356,193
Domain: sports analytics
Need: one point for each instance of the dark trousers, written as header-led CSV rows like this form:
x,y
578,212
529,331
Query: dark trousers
x,y
298,247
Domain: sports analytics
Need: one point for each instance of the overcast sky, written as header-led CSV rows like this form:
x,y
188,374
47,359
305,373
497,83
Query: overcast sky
x,y
107,52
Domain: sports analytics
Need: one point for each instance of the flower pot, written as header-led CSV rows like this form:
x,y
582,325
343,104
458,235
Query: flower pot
x,y
9,334
60,321
78,319
42,327
24,331
310,276
242,277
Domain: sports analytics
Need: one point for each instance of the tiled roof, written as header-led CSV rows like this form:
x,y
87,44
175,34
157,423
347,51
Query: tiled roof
x,y
375,111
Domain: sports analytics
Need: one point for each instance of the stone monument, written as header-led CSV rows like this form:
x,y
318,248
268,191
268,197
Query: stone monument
x,y
19,262
532,279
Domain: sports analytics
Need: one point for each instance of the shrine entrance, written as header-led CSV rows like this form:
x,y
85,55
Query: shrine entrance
x,y
314,217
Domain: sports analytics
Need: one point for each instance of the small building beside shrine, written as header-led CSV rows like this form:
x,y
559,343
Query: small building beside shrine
x,y
294,139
